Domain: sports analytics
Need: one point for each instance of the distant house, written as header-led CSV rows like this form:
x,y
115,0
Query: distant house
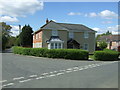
x,y
112,40
55,35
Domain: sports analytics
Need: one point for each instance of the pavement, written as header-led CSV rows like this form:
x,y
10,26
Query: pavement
x,y
20,71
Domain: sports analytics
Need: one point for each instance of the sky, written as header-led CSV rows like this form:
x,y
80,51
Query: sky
x,y
99,16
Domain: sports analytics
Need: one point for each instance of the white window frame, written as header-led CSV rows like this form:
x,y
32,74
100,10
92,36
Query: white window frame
x,y
71,35
86,35
54,32
56,45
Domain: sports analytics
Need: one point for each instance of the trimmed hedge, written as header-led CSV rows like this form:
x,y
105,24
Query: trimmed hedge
x,y
73,54
106,55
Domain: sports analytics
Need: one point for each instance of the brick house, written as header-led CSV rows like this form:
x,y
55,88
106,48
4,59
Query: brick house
x,y
113,41
55,35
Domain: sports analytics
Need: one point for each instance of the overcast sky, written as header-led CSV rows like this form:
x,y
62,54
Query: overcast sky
x,y
100,16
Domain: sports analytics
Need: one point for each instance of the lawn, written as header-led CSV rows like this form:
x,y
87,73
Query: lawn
x,y
91,56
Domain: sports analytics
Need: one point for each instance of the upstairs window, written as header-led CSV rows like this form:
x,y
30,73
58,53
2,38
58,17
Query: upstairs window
x,y
71,35
54,33
86,34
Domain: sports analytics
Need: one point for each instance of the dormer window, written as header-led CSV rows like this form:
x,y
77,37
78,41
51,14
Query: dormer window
x,y
54,33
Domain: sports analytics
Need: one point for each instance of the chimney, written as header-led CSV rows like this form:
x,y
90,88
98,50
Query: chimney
x,y
20,29
47,21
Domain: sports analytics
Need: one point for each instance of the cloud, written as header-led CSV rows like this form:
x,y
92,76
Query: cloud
x,y
114,29
96,29
8,19
92,14
107,14
107,22
15,30
74,13
19,8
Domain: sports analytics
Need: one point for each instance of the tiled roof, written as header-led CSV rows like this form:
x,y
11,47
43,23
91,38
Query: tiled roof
x,y
79,27
110,38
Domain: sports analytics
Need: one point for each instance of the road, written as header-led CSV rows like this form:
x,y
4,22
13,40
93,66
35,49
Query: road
x,y
20,71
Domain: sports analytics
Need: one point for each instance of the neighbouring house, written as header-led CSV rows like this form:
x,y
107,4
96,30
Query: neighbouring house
x,y
55,35
112,40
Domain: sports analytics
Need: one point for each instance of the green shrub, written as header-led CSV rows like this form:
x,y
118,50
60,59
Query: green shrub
x,y
73,54
106,55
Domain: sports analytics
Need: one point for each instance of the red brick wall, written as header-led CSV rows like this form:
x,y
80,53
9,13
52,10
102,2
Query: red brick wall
x,y
37,37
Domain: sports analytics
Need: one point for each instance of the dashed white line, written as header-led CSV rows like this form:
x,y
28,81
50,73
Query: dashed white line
x,y
44,74
9,84
68,71
40,77
51,75
3,81
18,78
51,72
33,76
55,71
25,80
59,74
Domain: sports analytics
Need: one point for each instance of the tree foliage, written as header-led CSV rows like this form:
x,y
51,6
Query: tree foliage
x,y
5,34
26,37
103,45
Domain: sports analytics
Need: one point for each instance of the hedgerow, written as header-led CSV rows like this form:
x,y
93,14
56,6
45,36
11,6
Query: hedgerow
x,y
106,55
73,54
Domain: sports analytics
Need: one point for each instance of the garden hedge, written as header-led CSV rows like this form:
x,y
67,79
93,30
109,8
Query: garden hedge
x,y
73,54
106,55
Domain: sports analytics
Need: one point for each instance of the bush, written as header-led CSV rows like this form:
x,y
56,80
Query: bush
x,y
74,54
103,45
106,55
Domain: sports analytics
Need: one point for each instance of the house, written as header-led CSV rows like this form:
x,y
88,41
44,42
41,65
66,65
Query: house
x,y
55,35
113,41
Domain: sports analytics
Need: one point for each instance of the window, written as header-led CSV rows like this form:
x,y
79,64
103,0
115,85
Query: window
x,y
52,45
59,46
86,46
54,33
71,35
55,45
86,34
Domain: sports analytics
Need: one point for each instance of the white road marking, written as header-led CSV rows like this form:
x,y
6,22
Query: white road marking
x,y
3,81
55,71
80,68
33,76
9,84
51,75
75,70
40,77
44,74
51,72
25,80
18,78
59,74
68,71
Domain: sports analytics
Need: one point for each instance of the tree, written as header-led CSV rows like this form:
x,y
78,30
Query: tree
x,y
108,33
26,37
102,45
5,33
